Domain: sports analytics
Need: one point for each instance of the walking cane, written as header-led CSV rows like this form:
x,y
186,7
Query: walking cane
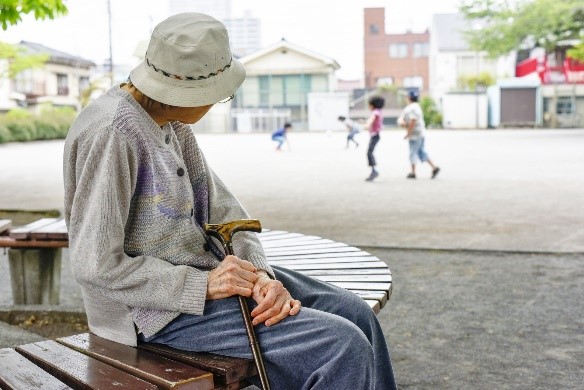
x,y
224,232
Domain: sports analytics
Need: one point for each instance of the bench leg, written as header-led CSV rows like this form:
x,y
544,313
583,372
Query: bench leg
x,y
35,275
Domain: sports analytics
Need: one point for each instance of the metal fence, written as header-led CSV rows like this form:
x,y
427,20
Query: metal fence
x,y
259,120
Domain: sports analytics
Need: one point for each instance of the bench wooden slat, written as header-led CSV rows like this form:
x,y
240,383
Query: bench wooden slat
x,y
272,233
302,246
281,236
380,296
317,255
294,242
5,225
23,232
78,370
332,260
155,369
292,238
17,372
309,251
227,370
355,272
322,266
353,278
375,306
287,236
9,242
53,231
313,248
363,286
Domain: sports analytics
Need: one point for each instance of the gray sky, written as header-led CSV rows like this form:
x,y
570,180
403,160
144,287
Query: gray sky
x,y
333,28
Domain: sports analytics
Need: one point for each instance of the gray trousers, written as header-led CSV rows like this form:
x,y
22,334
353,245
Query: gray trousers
x,y
372,143
334,343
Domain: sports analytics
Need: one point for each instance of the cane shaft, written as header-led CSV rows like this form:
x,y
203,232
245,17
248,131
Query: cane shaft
x,y
253,342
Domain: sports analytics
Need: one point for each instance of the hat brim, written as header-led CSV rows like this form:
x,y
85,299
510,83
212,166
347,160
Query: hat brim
x,y
188,93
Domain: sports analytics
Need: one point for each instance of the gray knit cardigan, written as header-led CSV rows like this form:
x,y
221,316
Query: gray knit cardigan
x,y
134,192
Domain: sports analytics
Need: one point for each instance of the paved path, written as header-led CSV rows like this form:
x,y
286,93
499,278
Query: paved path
x,y
498,190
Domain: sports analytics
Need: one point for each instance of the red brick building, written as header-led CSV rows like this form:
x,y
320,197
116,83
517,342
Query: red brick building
x,y
394,59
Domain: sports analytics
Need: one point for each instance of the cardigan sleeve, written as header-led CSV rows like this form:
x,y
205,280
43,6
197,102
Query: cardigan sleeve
x,y
100,171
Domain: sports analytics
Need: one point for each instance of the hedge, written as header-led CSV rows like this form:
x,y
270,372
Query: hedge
x,y
19,125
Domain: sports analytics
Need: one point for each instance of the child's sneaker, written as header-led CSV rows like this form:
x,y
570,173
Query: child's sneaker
x,y
435,172
373,175
411,176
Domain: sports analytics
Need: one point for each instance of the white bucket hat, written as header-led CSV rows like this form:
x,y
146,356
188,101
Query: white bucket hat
x,y
188,63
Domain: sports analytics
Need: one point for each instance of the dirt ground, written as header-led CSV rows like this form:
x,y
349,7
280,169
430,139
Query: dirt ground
x,y
48,324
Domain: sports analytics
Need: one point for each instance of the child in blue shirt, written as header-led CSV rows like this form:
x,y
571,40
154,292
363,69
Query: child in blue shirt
x,y
280,135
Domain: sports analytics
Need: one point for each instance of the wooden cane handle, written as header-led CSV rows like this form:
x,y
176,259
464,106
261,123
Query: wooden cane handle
x,y
225,231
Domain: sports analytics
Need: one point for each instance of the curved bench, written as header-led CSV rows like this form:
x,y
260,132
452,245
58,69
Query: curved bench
x,y
90,362
35,262
330,261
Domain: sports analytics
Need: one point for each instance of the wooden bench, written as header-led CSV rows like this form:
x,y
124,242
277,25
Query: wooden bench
x,y
86,361
35,262
35,259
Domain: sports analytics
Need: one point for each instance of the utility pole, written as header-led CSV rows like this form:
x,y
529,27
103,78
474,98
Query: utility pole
x,y
111,59
476,92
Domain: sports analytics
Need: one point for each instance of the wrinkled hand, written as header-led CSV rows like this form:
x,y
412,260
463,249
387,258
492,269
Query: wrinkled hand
x,y
274,301
233,276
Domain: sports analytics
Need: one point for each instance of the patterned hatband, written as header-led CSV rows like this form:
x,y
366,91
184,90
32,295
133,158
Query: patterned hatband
x,y
174,76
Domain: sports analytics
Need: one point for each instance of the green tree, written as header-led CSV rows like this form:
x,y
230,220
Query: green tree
x,y
474,82
11,11
524,24
577,52
432,117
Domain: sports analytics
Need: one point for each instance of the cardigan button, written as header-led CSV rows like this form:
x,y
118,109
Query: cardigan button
x,y
167,139
206,247
180,172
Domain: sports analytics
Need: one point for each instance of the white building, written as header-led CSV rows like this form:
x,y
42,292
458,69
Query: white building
x,y
58,81
244,32
279,80
452,61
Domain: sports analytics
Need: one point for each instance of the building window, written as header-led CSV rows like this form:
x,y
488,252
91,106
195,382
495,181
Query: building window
x,y
288,90
23,82
264,91
475,64
413,82
398,50
62,84
564,105
387,80
373,29
420,49
467,65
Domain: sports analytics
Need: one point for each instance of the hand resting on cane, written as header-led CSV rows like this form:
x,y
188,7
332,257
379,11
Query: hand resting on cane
x,y
274,301
235,276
